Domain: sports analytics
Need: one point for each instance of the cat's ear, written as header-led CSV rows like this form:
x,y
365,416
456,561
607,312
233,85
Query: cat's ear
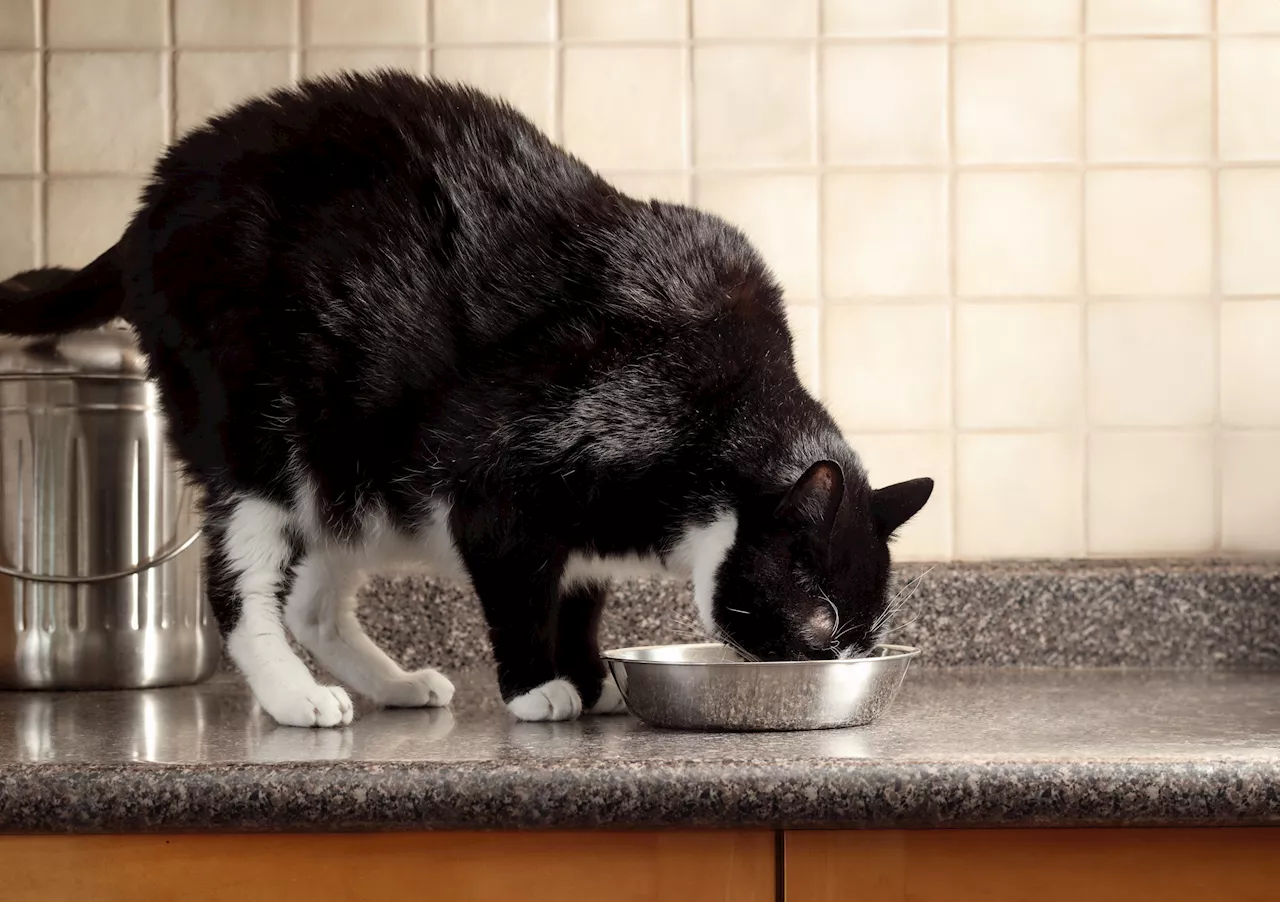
x,y
895,504
814,500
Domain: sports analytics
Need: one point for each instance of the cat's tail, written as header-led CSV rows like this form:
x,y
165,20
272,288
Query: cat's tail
x,y
55,299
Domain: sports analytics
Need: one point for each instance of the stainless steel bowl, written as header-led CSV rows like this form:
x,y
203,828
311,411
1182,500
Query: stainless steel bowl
x,y
709,687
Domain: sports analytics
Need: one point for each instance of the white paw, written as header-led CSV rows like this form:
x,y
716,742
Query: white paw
x,y
610,701
311,706
424,688
553,700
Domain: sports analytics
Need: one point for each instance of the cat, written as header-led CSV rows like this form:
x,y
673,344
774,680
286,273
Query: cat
x,y
391,322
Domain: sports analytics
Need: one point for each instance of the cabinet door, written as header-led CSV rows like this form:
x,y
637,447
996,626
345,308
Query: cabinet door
x,y
451,867
1043,865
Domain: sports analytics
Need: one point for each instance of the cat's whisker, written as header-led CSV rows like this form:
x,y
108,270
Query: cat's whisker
x,y
723,638
900,600
834,610
900,626
844,632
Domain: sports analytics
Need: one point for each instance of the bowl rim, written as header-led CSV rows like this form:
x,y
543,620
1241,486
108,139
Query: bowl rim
x,y
627,656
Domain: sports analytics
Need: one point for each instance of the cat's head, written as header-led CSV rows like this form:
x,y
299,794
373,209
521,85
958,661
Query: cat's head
x,y
807,577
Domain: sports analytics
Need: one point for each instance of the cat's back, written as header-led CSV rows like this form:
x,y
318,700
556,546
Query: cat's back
x,y
368,125
369,195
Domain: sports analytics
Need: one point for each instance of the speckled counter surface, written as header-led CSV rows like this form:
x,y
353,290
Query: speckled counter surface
x,y
961,748
1176,614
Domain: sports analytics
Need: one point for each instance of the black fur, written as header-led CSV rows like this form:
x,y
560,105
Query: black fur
x,y
402,289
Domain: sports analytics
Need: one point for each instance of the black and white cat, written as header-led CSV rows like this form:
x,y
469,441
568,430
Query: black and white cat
x,y
392,323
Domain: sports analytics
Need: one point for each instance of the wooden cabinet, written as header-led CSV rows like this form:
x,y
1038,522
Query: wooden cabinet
x,y
392,867
1042,865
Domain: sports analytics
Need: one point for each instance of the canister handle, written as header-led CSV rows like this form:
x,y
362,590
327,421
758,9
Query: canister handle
x,y
165,554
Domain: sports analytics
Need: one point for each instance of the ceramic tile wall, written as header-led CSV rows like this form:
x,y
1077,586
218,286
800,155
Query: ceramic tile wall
x,y
1030,248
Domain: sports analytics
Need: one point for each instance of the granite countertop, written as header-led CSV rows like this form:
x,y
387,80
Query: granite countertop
x,y
961,748
1184,614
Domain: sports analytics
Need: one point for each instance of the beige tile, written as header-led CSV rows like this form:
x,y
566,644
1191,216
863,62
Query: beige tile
x,y
1148,232
212,82
234,23
672,187
1151,363
330,61
806,339
1149,100
624,108
755,18
885,103
1007,18
92,24
876,17
1248,16
1017,102
1018,495
623,20
1019,366
1250,491
1151,493
17,24
1249,98
467,21
18,199
891,458
1250,211
887,367
87,216
885,234
524,76
1251,363
1017,233
1149,16
105,111
753,105
18,112
779,213
343,23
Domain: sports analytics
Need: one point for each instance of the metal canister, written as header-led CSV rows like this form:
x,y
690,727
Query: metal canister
x,y
100,559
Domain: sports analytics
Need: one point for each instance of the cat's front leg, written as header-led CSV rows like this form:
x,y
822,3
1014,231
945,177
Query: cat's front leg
x,y
519,591
578,648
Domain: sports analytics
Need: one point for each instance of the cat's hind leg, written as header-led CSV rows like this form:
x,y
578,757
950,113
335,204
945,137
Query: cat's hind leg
x,y
248,557
321,613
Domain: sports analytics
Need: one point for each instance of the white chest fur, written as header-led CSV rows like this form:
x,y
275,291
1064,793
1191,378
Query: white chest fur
x,y
697,555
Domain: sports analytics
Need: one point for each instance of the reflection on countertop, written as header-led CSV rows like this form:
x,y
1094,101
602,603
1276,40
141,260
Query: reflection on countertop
x,y
960,748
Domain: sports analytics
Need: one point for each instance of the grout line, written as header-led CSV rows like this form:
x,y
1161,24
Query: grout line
x,y
1064,429
768,171
296,48
820,211
1082,277
425,56
169,80
557,72
872,169
765,171
953,369
821,41
428,58
1215,258
40,212
689,148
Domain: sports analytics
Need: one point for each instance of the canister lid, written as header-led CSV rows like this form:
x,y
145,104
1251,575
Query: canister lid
x,y
110,350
